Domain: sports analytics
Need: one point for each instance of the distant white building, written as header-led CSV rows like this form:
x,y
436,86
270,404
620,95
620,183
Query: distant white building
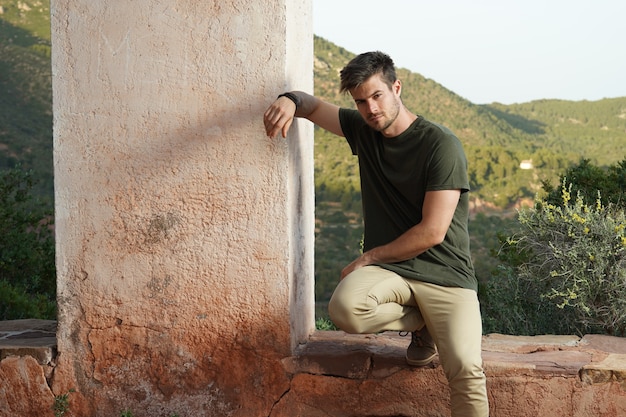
x,y
526,164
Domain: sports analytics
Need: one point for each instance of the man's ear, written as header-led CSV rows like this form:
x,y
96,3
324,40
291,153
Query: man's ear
x,y
397,87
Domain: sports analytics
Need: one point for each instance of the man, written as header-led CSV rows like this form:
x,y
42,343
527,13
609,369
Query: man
x,y
415,273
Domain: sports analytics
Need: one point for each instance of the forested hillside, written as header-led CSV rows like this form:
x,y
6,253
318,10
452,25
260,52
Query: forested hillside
x,y
550,135
595,129
26,90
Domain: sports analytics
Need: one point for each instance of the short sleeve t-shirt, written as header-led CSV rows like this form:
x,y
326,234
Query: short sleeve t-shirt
x,y
395,174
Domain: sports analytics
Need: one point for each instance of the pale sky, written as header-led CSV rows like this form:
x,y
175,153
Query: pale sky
x,y
491,50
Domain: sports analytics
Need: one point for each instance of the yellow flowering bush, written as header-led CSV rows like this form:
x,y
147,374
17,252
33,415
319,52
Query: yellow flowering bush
x,y
563,271
574,259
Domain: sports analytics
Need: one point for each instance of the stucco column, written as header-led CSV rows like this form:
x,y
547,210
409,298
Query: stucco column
x,y
184,234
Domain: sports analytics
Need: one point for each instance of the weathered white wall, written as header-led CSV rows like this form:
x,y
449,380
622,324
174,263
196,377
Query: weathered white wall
x,y
184,234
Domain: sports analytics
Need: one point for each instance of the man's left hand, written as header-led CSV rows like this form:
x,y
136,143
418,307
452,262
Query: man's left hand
x,y
359,262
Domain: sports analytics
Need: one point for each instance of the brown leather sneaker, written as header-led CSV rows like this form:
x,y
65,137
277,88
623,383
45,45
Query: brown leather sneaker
x,y
422,349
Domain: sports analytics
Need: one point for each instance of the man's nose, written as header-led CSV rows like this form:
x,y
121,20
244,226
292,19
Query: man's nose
x,y
371,106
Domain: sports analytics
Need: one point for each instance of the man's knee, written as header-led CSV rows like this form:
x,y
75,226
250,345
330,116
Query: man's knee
x,y
341,313
462,366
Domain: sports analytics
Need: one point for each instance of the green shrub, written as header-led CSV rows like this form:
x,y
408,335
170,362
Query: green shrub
x,y
16,303
514,306
27,269
62,404
566,269
323,323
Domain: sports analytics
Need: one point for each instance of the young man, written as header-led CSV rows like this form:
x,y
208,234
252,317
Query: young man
x,y
415,273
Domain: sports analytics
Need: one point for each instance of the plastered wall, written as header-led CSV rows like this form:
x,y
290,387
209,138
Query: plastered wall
x,y
184,234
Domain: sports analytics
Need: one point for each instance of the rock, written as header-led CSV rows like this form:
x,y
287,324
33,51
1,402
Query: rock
x,y
28,394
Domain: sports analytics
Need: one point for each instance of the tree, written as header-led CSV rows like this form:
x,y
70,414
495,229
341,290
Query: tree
x,y
588,180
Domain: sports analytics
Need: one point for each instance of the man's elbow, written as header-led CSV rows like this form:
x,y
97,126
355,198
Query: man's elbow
x,y
438,241
436,237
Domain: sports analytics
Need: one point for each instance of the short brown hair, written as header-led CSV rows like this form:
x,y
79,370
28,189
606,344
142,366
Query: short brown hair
x,y
363,66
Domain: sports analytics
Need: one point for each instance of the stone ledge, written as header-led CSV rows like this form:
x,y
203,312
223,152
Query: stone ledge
x,y
30,337
592,359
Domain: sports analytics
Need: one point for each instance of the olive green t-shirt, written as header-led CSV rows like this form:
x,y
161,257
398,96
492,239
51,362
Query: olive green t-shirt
x,y
395,175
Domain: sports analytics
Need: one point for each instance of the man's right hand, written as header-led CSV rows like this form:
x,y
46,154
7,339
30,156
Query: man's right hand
x,y
279,117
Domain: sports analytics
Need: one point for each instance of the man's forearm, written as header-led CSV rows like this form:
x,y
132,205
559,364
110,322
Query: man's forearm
x,y
407,246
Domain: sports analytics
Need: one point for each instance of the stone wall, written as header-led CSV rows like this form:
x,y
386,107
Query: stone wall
x,y
339,375
185,235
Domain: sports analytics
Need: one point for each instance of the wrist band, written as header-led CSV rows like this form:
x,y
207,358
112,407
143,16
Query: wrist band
x,y
292,97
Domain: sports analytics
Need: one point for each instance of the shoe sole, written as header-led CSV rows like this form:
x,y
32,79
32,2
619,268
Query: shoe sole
x,y
421,362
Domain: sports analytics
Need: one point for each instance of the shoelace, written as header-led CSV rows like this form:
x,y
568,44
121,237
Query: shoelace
x,y
416,337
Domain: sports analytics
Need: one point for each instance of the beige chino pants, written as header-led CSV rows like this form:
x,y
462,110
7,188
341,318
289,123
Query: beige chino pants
x,y
372,299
